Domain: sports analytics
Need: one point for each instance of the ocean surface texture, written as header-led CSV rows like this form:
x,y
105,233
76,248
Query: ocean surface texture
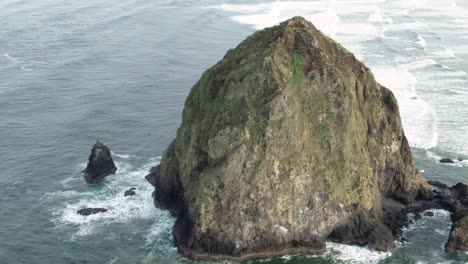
x,y
75,71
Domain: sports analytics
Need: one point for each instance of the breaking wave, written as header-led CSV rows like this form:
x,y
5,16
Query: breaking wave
x,y
110,196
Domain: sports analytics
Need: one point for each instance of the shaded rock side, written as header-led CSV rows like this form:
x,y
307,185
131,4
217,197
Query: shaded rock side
x,y
287,140
100,163
458,238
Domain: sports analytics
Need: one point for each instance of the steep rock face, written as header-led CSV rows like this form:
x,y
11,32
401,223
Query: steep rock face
x,y
285,142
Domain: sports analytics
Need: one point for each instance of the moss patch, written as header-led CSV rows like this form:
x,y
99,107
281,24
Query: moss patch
x,y
298,72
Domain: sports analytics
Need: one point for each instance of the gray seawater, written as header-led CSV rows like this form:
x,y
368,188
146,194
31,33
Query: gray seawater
x,y
75,71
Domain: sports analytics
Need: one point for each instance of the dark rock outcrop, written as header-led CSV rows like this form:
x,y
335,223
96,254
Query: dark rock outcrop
x,y
458,238
437,184
286,142
455,200
100,163
429,213
130,192
90,211
364,230
446,160
150,177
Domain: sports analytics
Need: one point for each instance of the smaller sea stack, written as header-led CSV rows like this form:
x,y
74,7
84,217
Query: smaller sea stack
x,y
100,163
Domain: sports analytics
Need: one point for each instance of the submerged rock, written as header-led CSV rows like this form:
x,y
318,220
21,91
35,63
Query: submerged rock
x,y
130,192
90,211
446,160
100,163
418,216
429,213
286,142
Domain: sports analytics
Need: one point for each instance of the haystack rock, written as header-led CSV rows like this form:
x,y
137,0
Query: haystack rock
x,y
100,163
285,143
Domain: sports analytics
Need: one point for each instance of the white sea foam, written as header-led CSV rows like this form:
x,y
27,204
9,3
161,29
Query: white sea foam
x,y
429,4
161,229
432,155
421,63
456,163
326,21
421,41
360,31
441,218
378,17
122,156
416,25
355,254
443,214
110,196
443,53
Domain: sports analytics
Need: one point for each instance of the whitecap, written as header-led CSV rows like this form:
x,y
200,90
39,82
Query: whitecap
x,y
440,213
355,254
122,156
378,17
111,196
421,63
444,53
416,25
264,15
432,155
421,41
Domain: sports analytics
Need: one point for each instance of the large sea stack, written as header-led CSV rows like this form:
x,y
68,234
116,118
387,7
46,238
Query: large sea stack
x,y
285,143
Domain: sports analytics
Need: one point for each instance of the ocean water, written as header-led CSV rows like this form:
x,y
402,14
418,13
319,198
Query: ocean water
x,y
75,71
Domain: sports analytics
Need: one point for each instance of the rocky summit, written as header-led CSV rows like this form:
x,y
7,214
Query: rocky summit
x,y
286,143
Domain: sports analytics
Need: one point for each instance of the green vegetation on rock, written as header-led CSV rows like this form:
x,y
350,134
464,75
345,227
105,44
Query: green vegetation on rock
x,y
298,72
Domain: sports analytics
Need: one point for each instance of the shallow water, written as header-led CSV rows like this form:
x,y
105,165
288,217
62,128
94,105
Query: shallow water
x,y
72,72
